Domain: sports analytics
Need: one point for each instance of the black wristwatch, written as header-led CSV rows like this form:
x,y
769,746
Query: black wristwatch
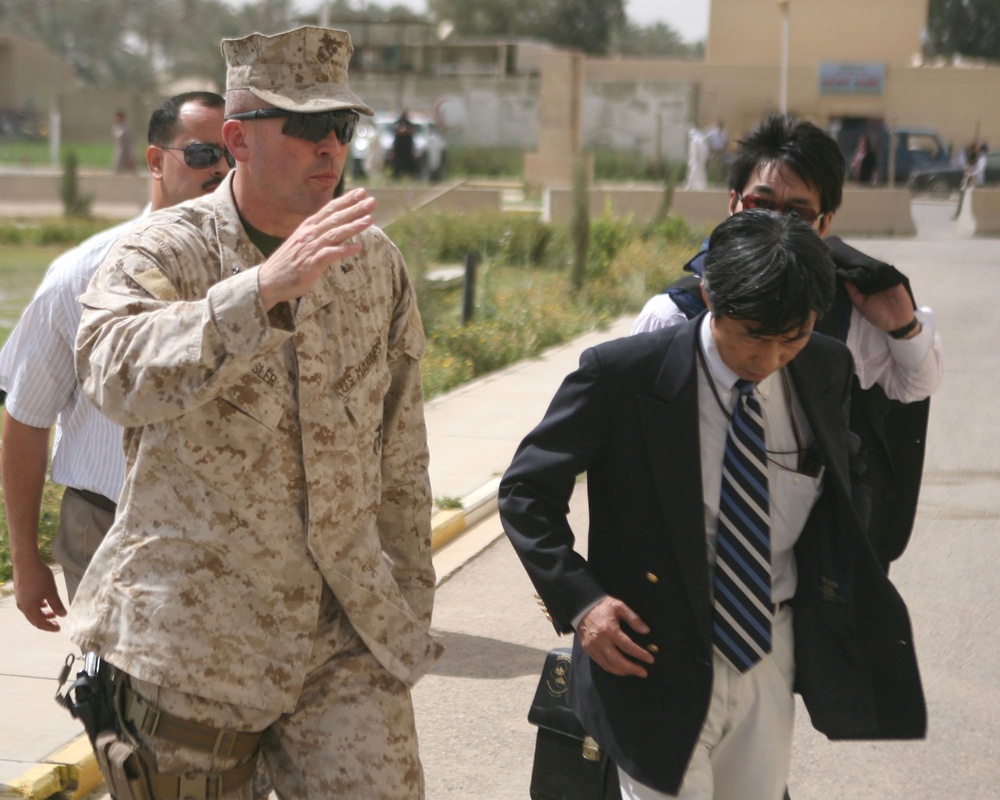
x,y
902,333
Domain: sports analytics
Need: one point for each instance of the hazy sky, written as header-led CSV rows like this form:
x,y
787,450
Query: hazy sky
x,y
689,17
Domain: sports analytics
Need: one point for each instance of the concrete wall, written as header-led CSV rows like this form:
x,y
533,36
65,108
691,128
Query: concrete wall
x,y
985,205
124,196
29,75
115,196
630,114
642,203
397,201
865,212
88,114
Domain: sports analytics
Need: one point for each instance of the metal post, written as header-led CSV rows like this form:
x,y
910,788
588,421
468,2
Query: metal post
x,y
783,78
893,147
469,288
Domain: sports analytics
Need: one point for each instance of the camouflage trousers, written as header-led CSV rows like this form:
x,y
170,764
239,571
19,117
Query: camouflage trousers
x,y
351,735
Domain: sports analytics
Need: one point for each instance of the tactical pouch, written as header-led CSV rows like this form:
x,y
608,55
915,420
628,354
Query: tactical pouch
x,y
123,766
568,763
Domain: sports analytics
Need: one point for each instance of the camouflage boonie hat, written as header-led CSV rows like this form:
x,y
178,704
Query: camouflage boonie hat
x,y
300,70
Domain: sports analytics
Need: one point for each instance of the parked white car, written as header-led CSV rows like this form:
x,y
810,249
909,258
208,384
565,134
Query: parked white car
x,y
371,147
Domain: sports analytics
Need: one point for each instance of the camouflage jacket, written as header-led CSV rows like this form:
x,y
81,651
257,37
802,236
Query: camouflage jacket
x,y
267,453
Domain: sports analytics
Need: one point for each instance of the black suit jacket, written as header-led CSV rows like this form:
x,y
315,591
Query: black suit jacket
x,y
628,417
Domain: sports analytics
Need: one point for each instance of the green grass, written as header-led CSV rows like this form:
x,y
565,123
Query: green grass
x,y
91,155
21,270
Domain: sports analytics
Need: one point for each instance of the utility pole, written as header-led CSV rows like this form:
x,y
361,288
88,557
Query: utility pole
x,y
783,78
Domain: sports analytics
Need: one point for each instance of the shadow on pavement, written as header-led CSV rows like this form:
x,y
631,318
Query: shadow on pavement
x,y
470,656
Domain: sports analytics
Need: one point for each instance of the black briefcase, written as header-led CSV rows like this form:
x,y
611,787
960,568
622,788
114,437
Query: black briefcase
x,y
568,763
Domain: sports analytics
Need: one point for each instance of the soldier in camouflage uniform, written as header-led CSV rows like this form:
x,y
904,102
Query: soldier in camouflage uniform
x,y
268,580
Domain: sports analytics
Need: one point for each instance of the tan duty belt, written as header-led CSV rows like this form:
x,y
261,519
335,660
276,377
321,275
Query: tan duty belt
x,y
201,785
151,721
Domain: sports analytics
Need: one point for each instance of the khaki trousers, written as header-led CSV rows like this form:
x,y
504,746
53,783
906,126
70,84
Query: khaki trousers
x,y
82,527
745,745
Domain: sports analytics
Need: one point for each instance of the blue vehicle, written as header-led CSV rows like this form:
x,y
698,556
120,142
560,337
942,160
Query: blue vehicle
x,y
916,148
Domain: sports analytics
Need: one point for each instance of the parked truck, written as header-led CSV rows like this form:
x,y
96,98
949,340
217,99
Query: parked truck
x,y
915,147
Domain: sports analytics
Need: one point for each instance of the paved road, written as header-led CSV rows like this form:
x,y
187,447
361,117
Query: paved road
x,y
477,743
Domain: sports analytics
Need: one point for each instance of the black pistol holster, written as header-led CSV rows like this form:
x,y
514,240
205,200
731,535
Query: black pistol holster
x,y
112,713
93,699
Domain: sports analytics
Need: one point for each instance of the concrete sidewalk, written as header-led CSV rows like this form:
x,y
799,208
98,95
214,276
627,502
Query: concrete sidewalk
x,y
473,432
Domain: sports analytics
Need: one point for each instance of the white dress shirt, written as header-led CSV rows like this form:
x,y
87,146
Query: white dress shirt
x,y
908,370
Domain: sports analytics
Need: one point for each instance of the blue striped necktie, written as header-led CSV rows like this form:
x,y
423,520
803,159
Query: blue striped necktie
x,y
743,609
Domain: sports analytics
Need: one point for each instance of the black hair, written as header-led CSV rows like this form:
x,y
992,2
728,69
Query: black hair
x,y
800,147
165,120
768,268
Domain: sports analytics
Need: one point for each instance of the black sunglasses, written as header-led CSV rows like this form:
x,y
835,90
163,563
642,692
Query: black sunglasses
x,y
804,213
199,155
311,127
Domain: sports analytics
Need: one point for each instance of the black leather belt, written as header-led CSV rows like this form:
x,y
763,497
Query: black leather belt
x,y
95,499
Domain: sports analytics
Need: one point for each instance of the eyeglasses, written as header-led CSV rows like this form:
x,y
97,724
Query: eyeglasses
x,y
199,155
804,213
311,127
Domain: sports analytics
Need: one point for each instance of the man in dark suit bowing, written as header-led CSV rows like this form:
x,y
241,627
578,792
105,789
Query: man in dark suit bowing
x,y
709,595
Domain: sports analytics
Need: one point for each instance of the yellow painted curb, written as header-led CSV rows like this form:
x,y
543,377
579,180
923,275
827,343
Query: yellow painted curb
x,y
71,770
80,754
445,526
39,782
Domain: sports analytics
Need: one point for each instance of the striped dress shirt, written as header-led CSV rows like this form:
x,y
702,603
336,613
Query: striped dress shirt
x,y
37,372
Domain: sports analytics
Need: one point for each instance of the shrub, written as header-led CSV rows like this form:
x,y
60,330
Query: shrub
x,y
68,231
513,239
75,204
615,165
608,235
487,162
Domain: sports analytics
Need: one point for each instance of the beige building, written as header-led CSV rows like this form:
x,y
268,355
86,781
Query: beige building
x,y
30,76
847,61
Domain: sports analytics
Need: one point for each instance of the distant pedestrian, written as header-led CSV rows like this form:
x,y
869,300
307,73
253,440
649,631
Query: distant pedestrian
x,y
404,163
697,177
124,159
975,173
863,162
718,141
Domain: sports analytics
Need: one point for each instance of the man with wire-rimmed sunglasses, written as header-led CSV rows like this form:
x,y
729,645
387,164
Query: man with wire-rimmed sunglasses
x,y
36,368
267,586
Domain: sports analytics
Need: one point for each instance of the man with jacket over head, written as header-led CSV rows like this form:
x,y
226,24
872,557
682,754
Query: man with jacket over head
x,y
795,168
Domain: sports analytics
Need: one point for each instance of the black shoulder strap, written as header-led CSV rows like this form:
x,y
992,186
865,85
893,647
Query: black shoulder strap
x,y
686,294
